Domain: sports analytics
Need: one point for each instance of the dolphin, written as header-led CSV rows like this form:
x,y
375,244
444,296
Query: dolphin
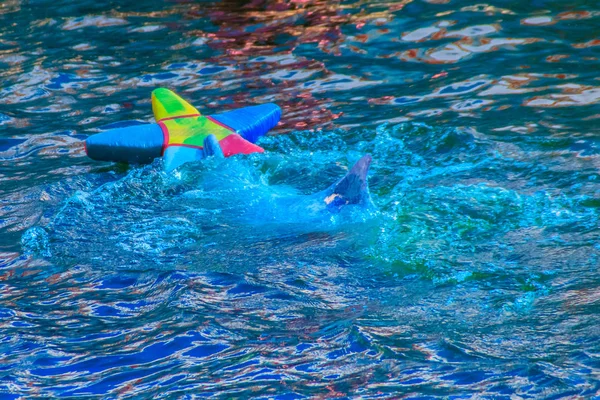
x,y
255,202
207,210
351,189
350,193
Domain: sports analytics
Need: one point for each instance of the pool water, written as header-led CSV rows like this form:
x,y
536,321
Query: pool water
x,y
475,273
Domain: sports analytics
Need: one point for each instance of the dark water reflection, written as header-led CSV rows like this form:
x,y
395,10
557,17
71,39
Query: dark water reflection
x,y
477,276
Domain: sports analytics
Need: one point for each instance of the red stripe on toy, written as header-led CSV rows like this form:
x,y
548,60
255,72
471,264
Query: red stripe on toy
x,y
165,132
220,123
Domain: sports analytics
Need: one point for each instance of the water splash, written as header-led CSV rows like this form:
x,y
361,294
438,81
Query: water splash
x,y
477,275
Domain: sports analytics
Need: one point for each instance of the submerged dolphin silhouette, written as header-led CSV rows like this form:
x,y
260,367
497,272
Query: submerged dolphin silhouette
x,y
231,203
278,203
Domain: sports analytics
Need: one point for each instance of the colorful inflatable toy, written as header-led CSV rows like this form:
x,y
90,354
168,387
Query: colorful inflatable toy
x,y
181,134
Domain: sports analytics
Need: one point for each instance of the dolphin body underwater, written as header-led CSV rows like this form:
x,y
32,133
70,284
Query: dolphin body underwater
x,y
353,188
182,135
229,187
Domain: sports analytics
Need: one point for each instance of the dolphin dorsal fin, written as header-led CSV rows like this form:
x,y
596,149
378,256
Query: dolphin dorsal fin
x,y
352,188
167,104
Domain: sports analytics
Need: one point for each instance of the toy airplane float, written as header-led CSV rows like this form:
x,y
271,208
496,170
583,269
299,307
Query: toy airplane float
x,y
181,134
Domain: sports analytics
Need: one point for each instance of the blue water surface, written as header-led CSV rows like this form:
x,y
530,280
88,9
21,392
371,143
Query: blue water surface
x,y
475,274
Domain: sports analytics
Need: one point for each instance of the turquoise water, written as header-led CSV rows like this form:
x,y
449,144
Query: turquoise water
x,y
475,274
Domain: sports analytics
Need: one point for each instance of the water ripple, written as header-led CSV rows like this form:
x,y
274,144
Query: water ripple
x,y
475,276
